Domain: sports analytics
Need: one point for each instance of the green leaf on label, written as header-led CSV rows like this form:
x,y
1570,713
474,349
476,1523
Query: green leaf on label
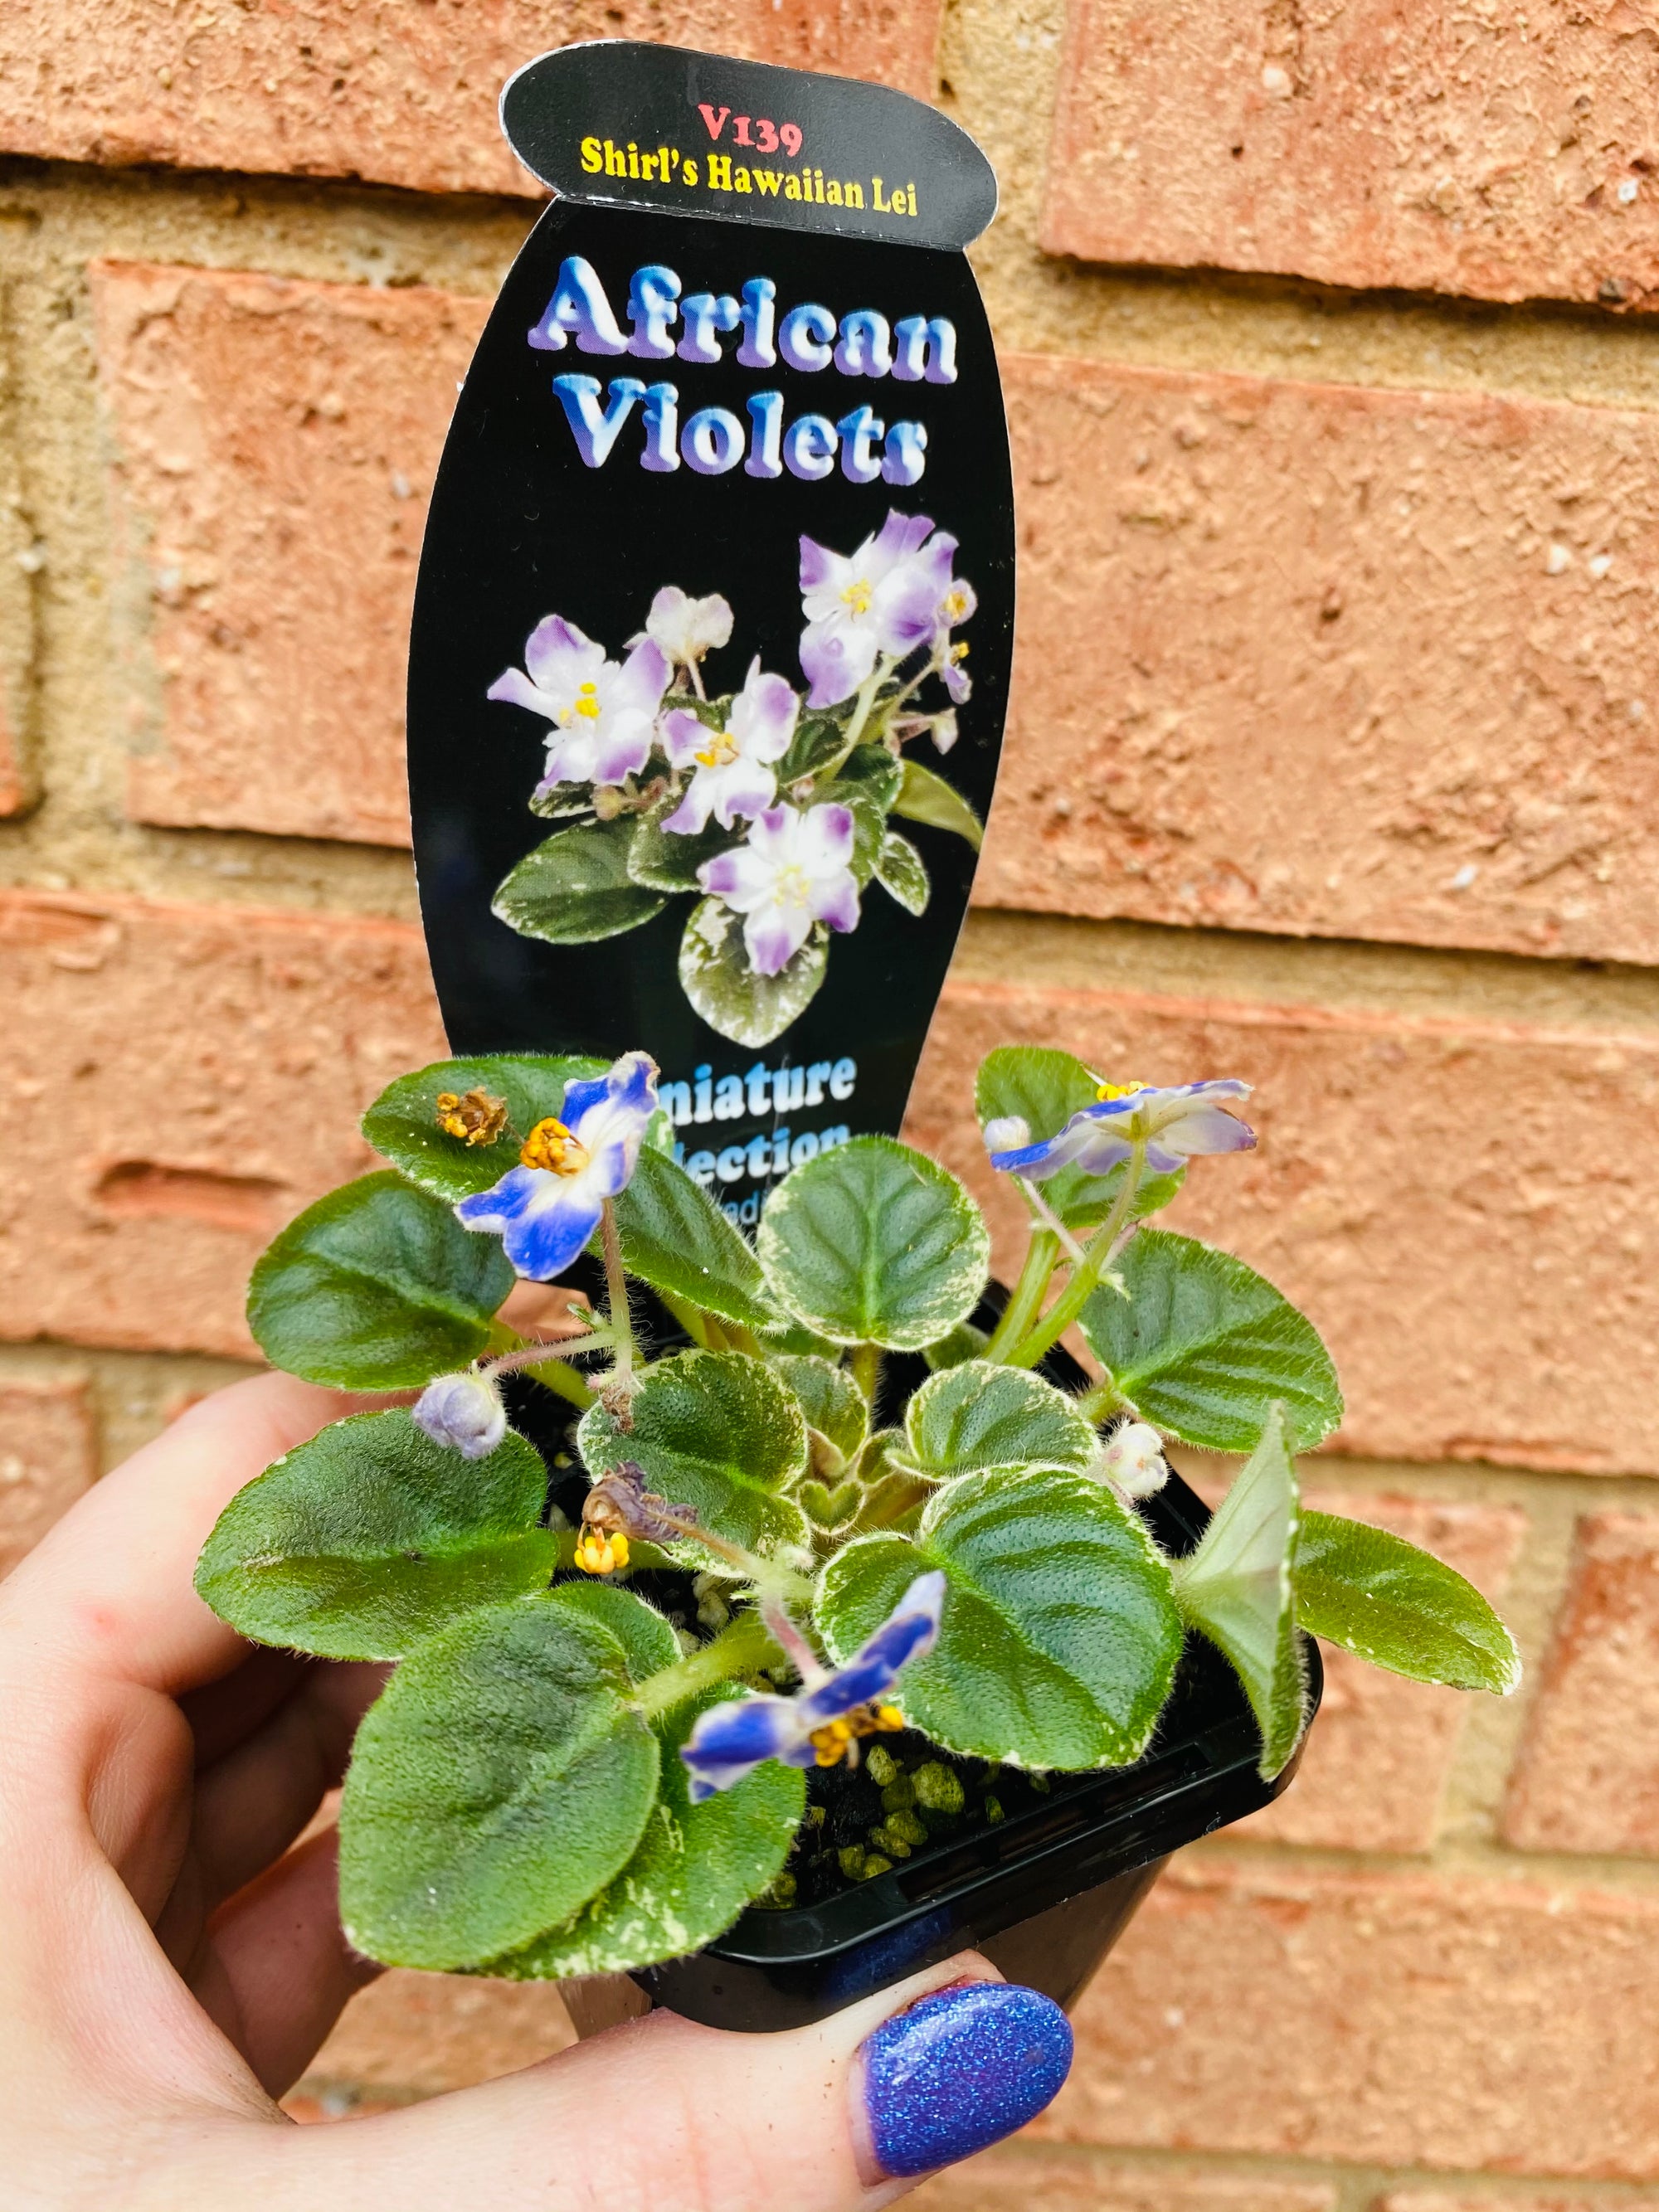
x,y
696,1867
648,1642
1044,1088
901,870
874,1243
832,1402
1202,1346
500,1780
717,978
1235,1589
369,1537
1401,1609
716,1430
575,887
675,1237
668,859
925,797
376,1287
1059,1636
817,739
402,1124
975,1417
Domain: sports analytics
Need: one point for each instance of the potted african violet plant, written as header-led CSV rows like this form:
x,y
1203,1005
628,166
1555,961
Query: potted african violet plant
x,y
802,1612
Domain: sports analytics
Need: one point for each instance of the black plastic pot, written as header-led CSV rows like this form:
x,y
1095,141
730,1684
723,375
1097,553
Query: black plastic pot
x,y
1045,1895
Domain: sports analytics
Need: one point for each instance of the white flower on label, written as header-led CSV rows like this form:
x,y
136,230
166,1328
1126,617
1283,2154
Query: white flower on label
x,y
733,774
603,711
1132,1461
686,628
795,869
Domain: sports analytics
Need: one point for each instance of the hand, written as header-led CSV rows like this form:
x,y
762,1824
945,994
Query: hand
x,y
170,1961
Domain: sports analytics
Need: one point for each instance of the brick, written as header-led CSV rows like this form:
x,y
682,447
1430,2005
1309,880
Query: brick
x,y
1376,2019
183,1078
1292,657
276,444
14,792
1020,2179
1503,2199
1457,1206
411,2034
1381,143
1587,1776
1379,1755
399,94
48,1456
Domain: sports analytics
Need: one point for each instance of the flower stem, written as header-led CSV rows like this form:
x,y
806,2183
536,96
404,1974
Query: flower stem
x,y
865,1366
1026,1300
1104,1399
615,1285
563,1381
743,1649
1086,1273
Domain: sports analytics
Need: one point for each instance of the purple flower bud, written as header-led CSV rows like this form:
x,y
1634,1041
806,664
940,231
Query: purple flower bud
x,y
464,1413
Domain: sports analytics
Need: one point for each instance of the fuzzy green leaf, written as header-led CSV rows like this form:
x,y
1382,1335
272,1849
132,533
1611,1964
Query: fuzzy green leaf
x,y
1401,1609
696,1867
716,1430
875,1243
402,1124
965,1341
648,1642
1044,1088
832,1402
676,1237
925,797
1202,1346
1059,1636
901,870
575,887
1235,1589
974,1416
369,1537
376,1287
499,1782
717,978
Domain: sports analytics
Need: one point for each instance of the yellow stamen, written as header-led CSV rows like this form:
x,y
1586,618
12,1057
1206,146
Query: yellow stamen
x,y
476,1117
832,1742
959,652
721,748
550,1145
601,1552
956,606
857,595
1105,1090
587,701
791,887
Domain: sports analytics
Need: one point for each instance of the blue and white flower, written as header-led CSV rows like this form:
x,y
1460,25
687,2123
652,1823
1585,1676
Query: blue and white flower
x,y
545,1209
733,775
603,711
463,1412
1174,1125
795,869
816,1726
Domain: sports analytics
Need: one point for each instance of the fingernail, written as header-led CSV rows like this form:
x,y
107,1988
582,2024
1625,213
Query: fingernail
x,y
961,2070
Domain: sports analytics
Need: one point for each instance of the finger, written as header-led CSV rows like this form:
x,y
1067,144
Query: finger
x,y
109,1591
839,2117
251,1804
276,1971
223,1713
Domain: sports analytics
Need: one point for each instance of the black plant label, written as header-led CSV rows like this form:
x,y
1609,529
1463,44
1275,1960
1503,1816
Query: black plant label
x,y
712,636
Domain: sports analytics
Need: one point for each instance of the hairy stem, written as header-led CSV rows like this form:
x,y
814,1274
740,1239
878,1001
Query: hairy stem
x,y
865,1366
615,1286
563,1382
743,1648
1104,1400
1025,1301
1086,1273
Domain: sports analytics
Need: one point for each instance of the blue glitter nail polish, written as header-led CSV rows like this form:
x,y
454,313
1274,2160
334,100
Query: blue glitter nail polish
x,y
959,2070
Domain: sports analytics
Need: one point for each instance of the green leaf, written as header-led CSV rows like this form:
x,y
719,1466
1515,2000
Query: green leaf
x,y
668,859
925,797
1235,1589
1044,1088
717,978
1202,1346
402,1124
500,1780
874,1243
832,1402
901,870
965,1341
1400,1608
696,1867
575,887
676,1237
648,1642
817,739
376,1287
975,1417
1059,1636
369,1537
716,1430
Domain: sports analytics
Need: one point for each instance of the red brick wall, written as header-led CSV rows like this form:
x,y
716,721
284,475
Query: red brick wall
x,y
1332,763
